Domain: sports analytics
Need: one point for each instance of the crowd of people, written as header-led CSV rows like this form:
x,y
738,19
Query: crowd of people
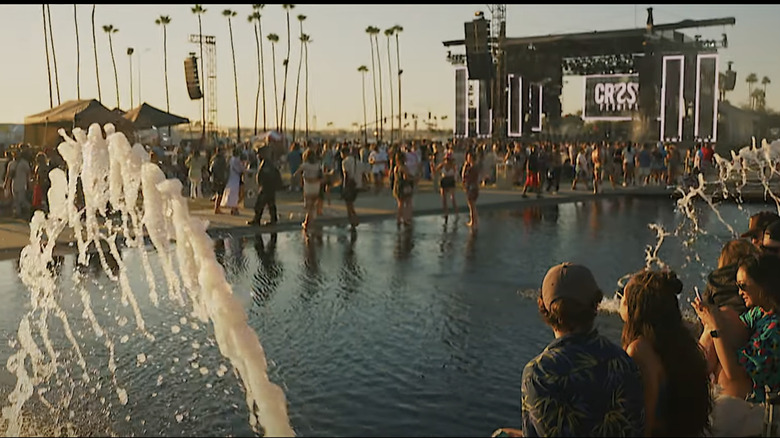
x,y
668,377
318,168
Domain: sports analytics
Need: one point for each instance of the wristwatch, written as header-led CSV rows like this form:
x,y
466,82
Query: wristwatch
x,y
714,334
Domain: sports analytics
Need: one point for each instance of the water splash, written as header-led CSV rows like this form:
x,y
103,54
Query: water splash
x,y
112,174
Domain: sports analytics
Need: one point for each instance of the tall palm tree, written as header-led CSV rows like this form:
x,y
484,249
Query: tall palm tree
x,y
164,21
54,55
375,34
751,79
94,48
256,16
388,34
78,54
230,14
274,38
301,18
286,64
199,11
370,31
363,70
110,29
48,64
397,30
130,51
306,40
765,81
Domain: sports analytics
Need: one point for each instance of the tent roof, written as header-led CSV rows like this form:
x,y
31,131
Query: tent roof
x,y
80,112
145,116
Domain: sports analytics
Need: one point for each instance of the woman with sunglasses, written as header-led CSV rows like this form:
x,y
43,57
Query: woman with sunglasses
x,y
673,367
749,354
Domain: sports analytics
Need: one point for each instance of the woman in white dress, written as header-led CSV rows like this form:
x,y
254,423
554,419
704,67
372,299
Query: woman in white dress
x,y
233,186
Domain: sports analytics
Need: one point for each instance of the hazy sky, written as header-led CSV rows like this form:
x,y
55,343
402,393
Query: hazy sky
x,y
340,45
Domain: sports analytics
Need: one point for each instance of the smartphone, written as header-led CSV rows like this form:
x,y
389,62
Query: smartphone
x,y
698,294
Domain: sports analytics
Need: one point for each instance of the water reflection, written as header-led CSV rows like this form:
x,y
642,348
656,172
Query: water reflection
x,y
269,273
235,262
470,251
403,244
351,275
311,278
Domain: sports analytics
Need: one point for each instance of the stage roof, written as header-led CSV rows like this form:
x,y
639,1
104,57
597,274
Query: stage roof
x,y
606,42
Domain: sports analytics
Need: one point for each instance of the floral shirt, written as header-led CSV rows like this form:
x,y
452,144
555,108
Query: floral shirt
x,y
582,385
761,355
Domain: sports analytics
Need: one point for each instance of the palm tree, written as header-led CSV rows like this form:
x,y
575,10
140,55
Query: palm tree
x,y
110,29
306,40
199,11
164,21
388,34
53,54
48,64
375,34
230,14
751,79
301,18
94,48
130,51
260,67
363,70
370,31
78,55
757,99
286,64
274,38
765,81
397,30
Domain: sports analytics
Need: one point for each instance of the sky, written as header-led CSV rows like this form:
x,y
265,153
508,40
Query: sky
x,y
339,46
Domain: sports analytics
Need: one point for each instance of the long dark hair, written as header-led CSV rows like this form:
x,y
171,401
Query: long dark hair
x,y
654,314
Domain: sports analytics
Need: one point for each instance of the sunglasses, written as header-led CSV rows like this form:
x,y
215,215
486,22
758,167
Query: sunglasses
x,y
742,286
619,293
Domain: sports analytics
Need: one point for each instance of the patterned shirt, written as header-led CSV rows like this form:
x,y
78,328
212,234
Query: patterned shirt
x,y
582,385
761,355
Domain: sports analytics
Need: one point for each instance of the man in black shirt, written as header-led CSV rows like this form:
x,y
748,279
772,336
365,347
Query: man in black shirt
x,y
269,180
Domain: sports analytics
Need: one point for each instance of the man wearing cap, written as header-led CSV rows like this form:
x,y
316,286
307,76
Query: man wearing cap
x,y
582,384
758,223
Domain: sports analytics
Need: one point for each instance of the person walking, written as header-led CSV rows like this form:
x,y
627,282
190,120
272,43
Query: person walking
x,y
446,173
195,163
470,177
311,172
219,172
269,181
349,185
231,194
403,187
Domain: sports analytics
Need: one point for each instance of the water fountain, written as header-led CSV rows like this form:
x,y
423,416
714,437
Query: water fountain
x,y
112,172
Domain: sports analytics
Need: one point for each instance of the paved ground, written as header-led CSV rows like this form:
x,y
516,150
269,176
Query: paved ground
x,y
15,233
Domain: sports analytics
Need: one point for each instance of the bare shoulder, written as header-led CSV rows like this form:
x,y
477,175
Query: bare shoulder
x,y
642,351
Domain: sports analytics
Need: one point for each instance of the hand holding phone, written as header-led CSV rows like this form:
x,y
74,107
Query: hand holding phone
x,y
698,294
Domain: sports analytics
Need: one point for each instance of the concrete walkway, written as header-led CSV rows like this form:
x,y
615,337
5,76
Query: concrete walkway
x,y
15,233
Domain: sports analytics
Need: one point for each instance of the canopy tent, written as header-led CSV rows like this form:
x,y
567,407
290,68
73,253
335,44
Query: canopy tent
x,y
146,116
41,129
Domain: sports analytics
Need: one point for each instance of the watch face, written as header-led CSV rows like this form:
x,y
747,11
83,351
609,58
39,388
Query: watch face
x,y
714,333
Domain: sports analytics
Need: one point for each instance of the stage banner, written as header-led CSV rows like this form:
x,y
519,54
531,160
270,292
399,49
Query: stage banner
x,y
461,100
611,97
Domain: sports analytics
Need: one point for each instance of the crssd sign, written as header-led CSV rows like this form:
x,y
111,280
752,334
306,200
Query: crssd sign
x,y
611,97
